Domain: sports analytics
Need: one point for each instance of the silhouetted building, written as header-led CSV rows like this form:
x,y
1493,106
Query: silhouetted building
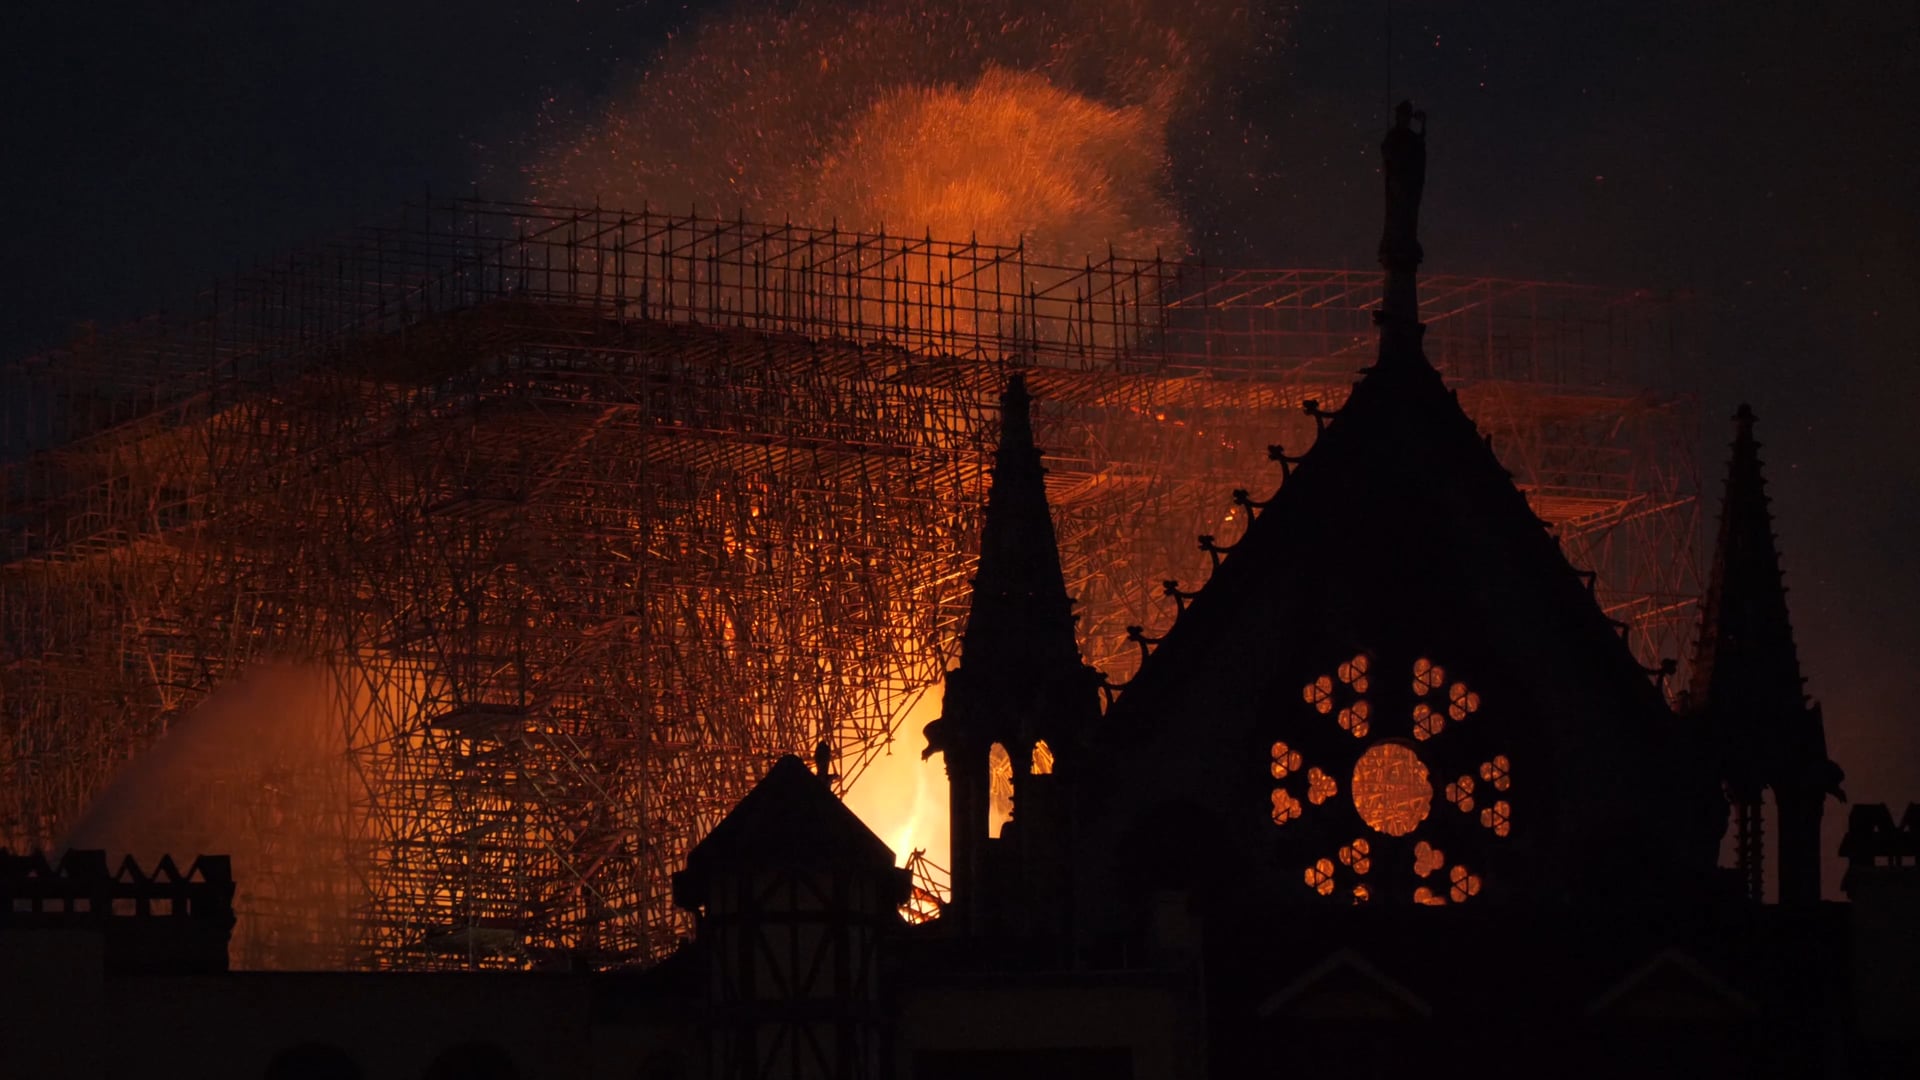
x,y
1393,788
1883,882
794,895
1392,795
163,921
1747,691
1020,696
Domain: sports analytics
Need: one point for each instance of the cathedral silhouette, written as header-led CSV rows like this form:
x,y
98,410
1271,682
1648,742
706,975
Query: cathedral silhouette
x,y
1392,796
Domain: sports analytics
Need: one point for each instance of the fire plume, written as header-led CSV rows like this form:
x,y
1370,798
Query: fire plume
x,y
1038,123
1009,159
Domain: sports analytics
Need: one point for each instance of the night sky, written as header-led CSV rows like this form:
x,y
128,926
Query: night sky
x,y
1763,155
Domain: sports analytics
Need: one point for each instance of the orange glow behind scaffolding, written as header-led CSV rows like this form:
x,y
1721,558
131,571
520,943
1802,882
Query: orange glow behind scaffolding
x,y
1009,160
588,515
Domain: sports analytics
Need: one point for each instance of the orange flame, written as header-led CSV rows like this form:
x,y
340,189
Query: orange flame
x,y
1044,123
903,798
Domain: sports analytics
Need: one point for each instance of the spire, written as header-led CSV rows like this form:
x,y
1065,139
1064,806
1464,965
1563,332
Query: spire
x,y
1020,610
1020,622
1746,679
1746,653
1020,699
1403,161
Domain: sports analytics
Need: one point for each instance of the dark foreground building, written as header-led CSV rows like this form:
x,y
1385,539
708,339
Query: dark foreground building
x,y
1392,796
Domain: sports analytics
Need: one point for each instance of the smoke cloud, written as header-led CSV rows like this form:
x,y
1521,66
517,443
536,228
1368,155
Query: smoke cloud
x,y
256,771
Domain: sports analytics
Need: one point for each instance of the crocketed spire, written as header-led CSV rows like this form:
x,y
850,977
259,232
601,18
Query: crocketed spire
x,y
1021,613
1021,698
1747,685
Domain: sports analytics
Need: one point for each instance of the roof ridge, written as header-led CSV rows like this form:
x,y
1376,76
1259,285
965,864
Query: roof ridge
x,y
790,818
1385,401
1399,416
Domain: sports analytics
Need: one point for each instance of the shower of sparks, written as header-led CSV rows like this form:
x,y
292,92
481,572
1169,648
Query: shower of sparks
x,y
1006,122
1044,124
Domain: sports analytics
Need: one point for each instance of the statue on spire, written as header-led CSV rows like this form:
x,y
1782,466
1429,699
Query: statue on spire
x,y
1403,158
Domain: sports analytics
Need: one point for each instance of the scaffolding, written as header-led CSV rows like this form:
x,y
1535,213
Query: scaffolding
x,y
589,514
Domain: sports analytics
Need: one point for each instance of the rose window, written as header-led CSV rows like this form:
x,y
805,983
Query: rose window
x,y
1390,788
1354,859
1457,884
1415,783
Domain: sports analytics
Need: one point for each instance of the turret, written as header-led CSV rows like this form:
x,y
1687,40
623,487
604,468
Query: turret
x,y
1748,691
1017,708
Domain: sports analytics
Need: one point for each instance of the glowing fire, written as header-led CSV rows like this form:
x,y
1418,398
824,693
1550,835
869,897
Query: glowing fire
x,y
1043,124
1008,159
1013,122
902,798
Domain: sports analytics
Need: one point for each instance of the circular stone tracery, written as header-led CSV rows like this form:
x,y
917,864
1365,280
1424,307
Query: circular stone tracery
x,y
1390,788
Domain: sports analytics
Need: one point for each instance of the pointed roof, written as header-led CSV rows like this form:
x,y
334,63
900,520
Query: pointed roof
x,y
1020,641
1344,986
1671,985
1746,669
1400,534
1399,472
1020,604
1745,654
790,820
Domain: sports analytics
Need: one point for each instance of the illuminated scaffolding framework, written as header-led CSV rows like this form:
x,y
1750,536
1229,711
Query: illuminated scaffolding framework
x,y
590,514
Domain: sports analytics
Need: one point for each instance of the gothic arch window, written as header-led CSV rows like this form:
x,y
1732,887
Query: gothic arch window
x,y
1392,767
1042,764
999,789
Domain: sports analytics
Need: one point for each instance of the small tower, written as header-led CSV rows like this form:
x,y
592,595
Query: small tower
x,y
1748,692
794,898
1018,706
